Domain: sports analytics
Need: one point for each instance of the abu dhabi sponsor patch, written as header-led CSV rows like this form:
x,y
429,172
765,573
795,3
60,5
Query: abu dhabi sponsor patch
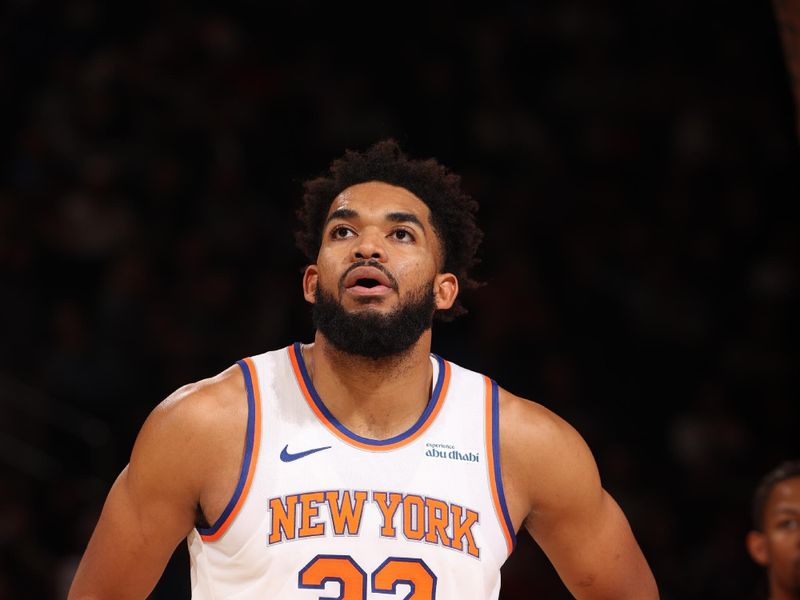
x,y
450,452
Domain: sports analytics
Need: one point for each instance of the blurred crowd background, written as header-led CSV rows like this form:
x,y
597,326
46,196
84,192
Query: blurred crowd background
x,y
638,173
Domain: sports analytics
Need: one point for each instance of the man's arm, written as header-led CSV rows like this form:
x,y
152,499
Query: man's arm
x,y
556,491
152,505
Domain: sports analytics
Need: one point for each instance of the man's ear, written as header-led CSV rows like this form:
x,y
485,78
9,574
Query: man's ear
x,y
757,547
445,290
310,279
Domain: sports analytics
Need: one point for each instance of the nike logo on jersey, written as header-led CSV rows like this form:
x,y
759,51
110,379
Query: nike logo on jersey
x,y
287,456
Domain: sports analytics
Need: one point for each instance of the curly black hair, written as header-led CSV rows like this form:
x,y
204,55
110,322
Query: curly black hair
x,y
785,470
452,210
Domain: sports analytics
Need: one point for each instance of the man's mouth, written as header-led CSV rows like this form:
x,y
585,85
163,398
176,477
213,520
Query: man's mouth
x,y
368,281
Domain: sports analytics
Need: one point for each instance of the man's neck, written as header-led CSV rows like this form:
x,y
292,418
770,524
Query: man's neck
x,y
374,398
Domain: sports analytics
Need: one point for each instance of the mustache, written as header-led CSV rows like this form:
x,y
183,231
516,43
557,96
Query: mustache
x,y
368,263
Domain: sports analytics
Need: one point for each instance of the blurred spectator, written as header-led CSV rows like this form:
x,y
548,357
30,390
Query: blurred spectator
x,y
774,541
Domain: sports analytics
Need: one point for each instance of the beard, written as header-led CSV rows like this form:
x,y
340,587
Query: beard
x,y
370,334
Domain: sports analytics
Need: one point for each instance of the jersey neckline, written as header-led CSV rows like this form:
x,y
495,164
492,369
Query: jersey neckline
x,y
324,415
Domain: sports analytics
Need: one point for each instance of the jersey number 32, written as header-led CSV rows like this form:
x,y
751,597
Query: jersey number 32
x,y
353,580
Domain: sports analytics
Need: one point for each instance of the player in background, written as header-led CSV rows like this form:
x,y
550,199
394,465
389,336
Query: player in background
x,y
774,542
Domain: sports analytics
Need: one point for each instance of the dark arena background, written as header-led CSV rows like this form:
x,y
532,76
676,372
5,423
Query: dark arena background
x,y
637,167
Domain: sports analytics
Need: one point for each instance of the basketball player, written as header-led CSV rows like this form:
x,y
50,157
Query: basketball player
x,y
362,465
774,542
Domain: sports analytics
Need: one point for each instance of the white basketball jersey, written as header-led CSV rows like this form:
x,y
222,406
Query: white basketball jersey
x,y
322,513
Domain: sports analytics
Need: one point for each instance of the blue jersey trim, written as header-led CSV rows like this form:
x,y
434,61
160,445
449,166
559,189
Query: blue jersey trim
x,y
345,431
248,453
498,479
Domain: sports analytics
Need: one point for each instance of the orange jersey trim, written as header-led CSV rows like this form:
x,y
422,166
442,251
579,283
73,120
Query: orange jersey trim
x,y
252,445
493,462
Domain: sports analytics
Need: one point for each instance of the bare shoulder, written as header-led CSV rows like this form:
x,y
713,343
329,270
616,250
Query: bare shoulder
x,y
153,503
553,488
202,403
194,431
543,457
529,429
201,407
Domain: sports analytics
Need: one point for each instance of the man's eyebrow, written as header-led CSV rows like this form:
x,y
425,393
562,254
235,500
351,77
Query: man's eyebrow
x,y
403,217
394,217
341,213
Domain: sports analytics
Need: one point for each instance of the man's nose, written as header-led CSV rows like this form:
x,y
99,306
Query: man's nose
x,y
369,246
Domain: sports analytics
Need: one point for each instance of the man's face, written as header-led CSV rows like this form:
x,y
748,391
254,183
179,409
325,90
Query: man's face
x,y
777,547
379,257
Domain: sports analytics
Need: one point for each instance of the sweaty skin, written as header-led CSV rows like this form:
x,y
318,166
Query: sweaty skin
x,y
189,450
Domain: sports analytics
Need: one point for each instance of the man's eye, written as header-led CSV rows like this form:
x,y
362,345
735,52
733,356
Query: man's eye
x,y
403,235
341,232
